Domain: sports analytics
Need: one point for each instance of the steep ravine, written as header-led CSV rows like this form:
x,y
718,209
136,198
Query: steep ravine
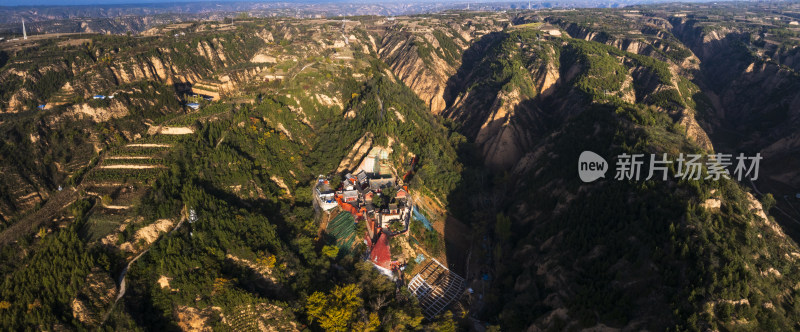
x,y
756,107
514,88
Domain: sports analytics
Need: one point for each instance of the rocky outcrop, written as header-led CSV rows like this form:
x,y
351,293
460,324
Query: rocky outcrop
x,y
425,72
357,153
506,117
503,138
115,110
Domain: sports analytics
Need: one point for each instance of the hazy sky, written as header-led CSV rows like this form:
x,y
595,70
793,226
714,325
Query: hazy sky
x,y
120,2
95,2
134,2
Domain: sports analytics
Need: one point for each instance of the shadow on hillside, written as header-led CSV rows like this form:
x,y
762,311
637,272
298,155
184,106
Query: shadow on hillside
x,y
474,203
486,189
273,212
457,84
742,119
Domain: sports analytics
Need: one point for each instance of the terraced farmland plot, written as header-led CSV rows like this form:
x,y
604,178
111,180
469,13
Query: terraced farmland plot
x,y
205,111
132,160
103,223
122,175
167,139
142,149
170,131
343,229
117,196
260,317
136,162
123,165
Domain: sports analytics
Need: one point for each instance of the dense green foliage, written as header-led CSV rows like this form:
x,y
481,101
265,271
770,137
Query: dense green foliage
x,y
700,253
448,49
39,291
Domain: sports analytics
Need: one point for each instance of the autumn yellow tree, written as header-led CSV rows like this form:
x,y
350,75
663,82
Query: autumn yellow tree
x,y
371,324
330,251
445,323
337,310
267,261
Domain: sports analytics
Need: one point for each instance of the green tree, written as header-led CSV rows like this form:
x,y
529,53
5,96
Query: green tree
x,y
106,200
445,323
335,311
768,202
330,251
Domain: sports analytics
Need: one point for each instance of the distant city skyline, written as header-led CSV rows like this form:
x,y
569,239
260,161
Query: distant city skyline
x,y
58,3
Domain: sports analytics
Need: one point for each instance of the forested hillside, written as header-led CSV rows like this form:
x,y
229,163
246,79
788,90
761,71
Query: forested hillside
x,y
216,221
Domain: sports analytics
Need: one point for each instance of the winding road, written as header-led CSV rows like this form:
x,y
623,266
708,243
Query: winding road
x,y
122,284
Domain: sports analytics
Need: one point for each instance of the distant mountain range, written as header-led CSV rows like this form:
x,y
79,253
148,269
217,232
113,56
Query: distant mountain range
x,y
14,11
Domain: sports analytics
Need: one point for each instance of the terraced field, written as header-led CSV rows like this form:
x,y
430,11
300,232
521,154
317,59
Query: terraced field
x,y
123,176
134,163
206,110
343,228
260,317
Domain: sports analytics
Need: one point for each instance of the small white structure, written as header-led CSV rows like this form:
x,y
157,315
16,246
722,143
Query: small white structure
x,y
101,97
324,194
194,106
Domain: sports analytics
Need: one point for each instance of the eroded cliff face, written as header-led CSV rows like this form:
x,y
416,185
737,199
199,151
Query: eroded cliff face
x,y
512,89
656,41
504,113
90,69
755,106
425,73
426,58
501,115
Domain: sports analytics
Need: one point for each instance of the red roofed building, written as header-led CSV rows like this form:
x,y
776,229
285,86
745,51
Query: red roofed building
x,y
380,255
401,194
